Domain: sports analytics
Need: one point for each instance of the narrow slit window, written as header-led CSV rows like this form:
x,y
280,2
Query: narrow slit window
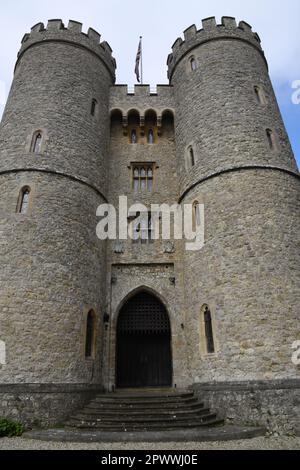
x,y
90,335
192,157
210,346
196,216
271,139
94,107
150,136
260,97
37,143
193,64
24,200
256,90
133,136
150,180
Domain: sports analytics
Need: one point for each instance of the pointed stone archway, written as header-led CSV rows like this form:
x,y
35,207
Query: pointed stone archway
x,y
143,347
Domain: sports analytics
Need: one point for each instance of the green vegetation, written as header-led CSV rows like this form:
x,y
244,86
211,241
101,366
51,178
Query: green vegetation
x,y
10,428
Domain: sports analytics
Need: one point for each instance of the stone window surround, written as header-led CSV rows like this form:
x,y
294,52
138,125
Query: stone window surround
x,y
260,95
147,165
31,137
202,336
187,156
193,64
272,140
21,189
96,333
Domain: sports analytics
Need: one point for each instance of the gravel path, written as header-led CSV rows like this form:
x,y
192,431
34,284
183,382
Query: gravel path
x,y
261,443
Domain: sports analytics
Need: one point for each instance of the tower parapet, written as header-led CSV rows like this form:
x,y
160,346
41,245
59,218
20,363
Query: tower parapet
x,y
56,31
211,31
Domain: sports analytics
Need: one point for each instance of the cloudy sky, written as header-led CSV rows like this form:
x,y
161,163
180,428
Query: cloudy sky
x,y
160,22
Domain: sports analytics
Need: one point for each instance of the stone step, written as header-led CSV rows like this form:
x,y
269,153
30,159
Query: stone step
x,y
138,393
144,402
134,426
117,408
146,410
132,413
200,434
142,419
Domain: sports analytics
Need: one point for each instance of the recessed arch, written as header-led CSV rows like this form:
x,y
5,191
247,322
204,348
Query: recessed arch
x,y
116,115
143,288
151,117
133,117
143,346
168,114
167,122
116,121
134,121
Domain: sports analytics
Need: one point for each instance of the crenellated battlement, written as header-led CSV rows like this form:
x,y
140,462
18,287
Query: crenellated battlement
x,y
142,98
73,34
211,31
143,91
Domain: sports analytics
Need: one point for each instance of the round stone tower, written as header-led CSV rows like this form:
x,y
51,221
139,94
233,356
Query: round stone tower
x,y
53,154
234,156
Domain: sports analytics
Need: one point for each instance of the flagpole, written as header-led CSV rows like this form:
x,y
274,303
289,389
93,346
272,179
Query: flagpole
x,y
141,38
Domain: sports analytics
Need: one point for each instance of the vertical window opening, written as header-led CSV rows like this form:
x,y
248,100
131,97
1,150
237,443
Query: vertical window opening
x,y
37,143
196,216
260,97
271,139
193,64
192,157
24,200
210,346
143,178
150,136
90,335
94,107
133,137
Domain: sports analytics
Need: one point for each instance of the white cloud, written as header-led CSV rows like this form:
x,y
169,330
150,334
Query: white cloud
x,y
161,22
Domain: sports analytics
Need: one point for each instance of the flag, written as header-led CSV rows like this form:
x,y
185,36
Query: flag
x,y
138,60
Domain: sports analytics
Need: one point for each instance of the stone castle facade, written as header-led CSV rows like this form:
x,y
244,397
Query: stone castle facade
x,y
70,140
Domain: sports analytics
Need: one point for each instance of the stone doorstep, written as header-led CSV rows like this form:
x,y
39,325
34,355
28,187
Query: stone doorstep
x,y
221,434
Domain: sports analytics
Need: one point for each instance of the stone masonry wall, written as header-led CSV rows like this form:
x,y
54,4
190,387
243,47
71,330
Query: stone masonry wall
x,y
274,405
248,274
53,265
38,405
47,285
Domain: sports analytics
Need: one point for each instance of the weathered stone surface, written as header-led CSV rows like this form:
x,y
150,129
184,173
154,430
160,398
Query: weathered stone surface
x,y
228,433
53,267
43,404
273,404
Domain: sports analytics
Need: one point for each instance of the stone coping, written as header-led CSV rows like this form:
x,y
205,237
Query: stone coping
x,y
21,388
251,385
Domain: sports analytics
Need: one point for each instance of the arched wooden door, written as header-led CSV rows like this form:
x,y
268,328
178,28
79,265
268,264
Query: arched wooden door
x,y
144,356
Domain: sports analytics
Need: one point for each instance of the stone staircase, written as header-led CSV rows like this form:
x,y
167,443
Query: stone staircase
x,y
139,411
